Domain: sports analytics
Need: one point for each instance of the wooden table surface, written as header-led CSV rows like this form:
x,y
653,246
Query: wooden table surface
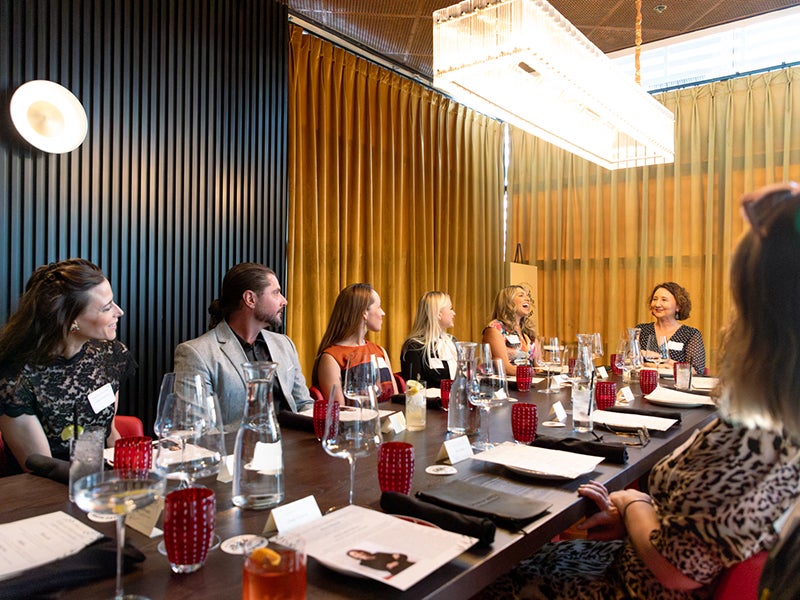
x,y
310,471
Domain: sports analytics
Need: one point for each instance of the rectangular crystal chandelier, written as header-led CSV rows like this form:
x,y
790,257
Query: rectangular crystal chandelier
x,y
524,63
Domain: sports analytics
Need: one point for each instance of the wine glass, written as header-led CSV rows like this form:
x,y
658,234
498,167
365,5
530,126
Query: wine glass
x,y
492,390
117,493
549,359
597,346
656,350
358,430
191,439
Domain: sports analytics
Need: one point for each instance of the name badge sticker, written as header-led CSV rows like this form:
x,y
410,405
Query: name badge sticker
x,y
513,339
437,363
673,345
102,398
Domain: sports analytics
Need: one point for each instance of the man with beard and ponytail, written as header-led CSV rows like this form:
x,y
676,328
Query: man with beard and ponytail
x,y
251,300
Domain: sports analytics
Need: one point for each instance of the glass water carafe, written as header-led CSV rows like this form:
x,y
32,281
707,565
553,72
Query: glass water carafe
x,y
582,384
258,472
632,355
461,416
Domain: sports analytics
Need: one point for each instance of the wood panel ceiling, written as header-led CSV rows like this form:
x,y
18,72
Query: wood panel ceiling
x,y
401,30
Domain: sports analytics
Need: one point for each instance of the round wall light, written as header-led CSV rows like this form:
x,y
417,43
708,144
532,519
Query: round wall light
x,y
49,116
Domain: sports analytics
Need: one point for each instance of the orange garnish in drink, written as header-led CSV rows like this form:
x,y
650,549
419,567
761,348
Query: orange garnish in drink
x,y
261,555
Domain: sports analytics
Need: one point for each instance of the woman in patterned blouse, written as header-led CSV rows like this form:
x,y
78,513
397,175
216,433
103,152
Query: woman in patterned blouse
x,y
510,333
669,303
716,500
60,364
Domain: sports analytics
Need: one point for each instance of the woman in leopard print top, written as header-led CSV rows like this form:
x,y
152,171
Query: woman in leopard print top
x,y
714,501
59,361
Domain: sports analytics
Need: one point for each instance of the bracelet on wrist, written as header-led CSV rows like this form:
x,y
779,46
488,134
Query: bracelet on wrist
x,y
625,508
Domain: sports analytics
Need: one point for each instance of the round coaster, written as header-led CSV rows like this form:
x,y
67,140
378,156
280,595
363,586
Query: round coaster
x,y
99,518
553,424
242,544
441,470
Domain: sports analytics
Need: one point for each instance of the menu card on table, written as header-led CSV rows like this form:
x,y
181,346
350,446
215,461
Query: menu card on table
x,y
358,541
542,461
39,540
628,421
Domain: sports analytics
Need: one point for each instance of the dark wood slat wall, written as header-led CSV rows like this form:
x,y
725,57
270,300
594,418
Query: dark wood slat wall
x,y
182,174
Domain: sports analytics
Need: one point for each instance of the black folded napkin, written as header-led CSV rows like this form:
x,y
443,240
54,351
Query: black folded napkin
x,y
647,412
287,418
400,504
506,510
96,561
613,452
47,466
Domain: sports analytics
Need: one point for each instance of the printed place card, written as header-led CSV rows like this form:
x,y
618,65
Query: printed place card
x,y
396,422
602,373
627,394
287,517
455,450
561,414
144,519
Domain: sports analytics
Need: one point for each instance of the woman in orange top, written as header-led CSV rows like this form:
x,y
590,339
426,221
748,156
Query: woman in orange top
x,y
356,312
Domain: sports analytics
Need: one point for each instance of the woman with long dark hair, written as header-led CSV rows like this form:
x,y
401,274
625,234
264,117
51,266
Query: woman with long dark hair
x,y
60,363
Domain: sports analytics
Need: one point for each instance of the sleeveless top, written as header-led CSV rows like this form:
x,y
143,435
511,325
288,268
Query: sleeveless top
x,y
385,376
517,346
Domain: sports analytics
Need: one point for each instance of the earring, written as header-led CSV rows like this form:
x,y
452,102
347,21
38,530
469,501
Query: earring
x,y
74,328
677,316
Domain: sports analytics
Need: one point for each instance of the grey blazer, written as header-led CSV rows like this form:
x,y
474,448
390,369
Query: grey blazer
x,y
218,355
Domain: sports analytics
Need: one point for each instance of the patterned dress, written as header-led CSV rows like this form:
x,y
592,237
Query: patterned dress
x,y
57,393
694,351
518,346
717,498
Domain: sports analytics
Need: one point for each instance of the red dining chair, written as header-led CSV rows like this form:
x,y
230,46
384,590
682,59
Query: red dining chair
x,y
315,393
740,582
401,383
128,426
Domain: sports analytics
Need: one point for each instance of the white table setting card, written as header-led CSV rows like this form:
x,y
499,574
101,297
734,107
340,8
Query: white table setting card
x,y
602,373
395,423
225,474
545,461
630,421
455,450
295,514
144,519
627,394
36,541
561,413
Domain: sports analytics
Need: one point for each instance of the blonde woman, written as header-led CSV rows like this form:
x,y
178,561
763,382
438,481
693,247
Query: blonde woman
x,y
510,333
429,353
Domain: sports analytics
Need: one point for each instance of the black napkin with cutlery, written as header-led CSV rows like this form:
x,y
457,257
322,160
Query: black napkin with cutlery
x,y
96,561
506,510
647,412
613,452
47,466
477,527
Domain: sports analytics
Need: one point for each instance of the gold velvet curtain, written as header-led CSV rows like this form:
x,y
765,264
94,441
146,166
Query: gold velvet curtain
x,y
391,184
602,239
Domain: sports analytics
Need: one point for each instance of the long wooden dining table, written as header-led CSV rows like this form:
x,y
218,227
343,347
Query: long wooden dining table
x,y
310,471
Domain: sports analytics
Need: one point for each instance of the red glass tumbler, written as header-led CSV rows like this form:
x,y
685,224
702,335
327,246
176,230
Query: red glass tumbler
x,y
189,516
396,467
524,420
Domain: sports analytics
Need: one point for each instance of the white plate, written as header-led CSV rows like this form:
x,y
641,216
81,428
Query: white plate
x,y
675,403
537,474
